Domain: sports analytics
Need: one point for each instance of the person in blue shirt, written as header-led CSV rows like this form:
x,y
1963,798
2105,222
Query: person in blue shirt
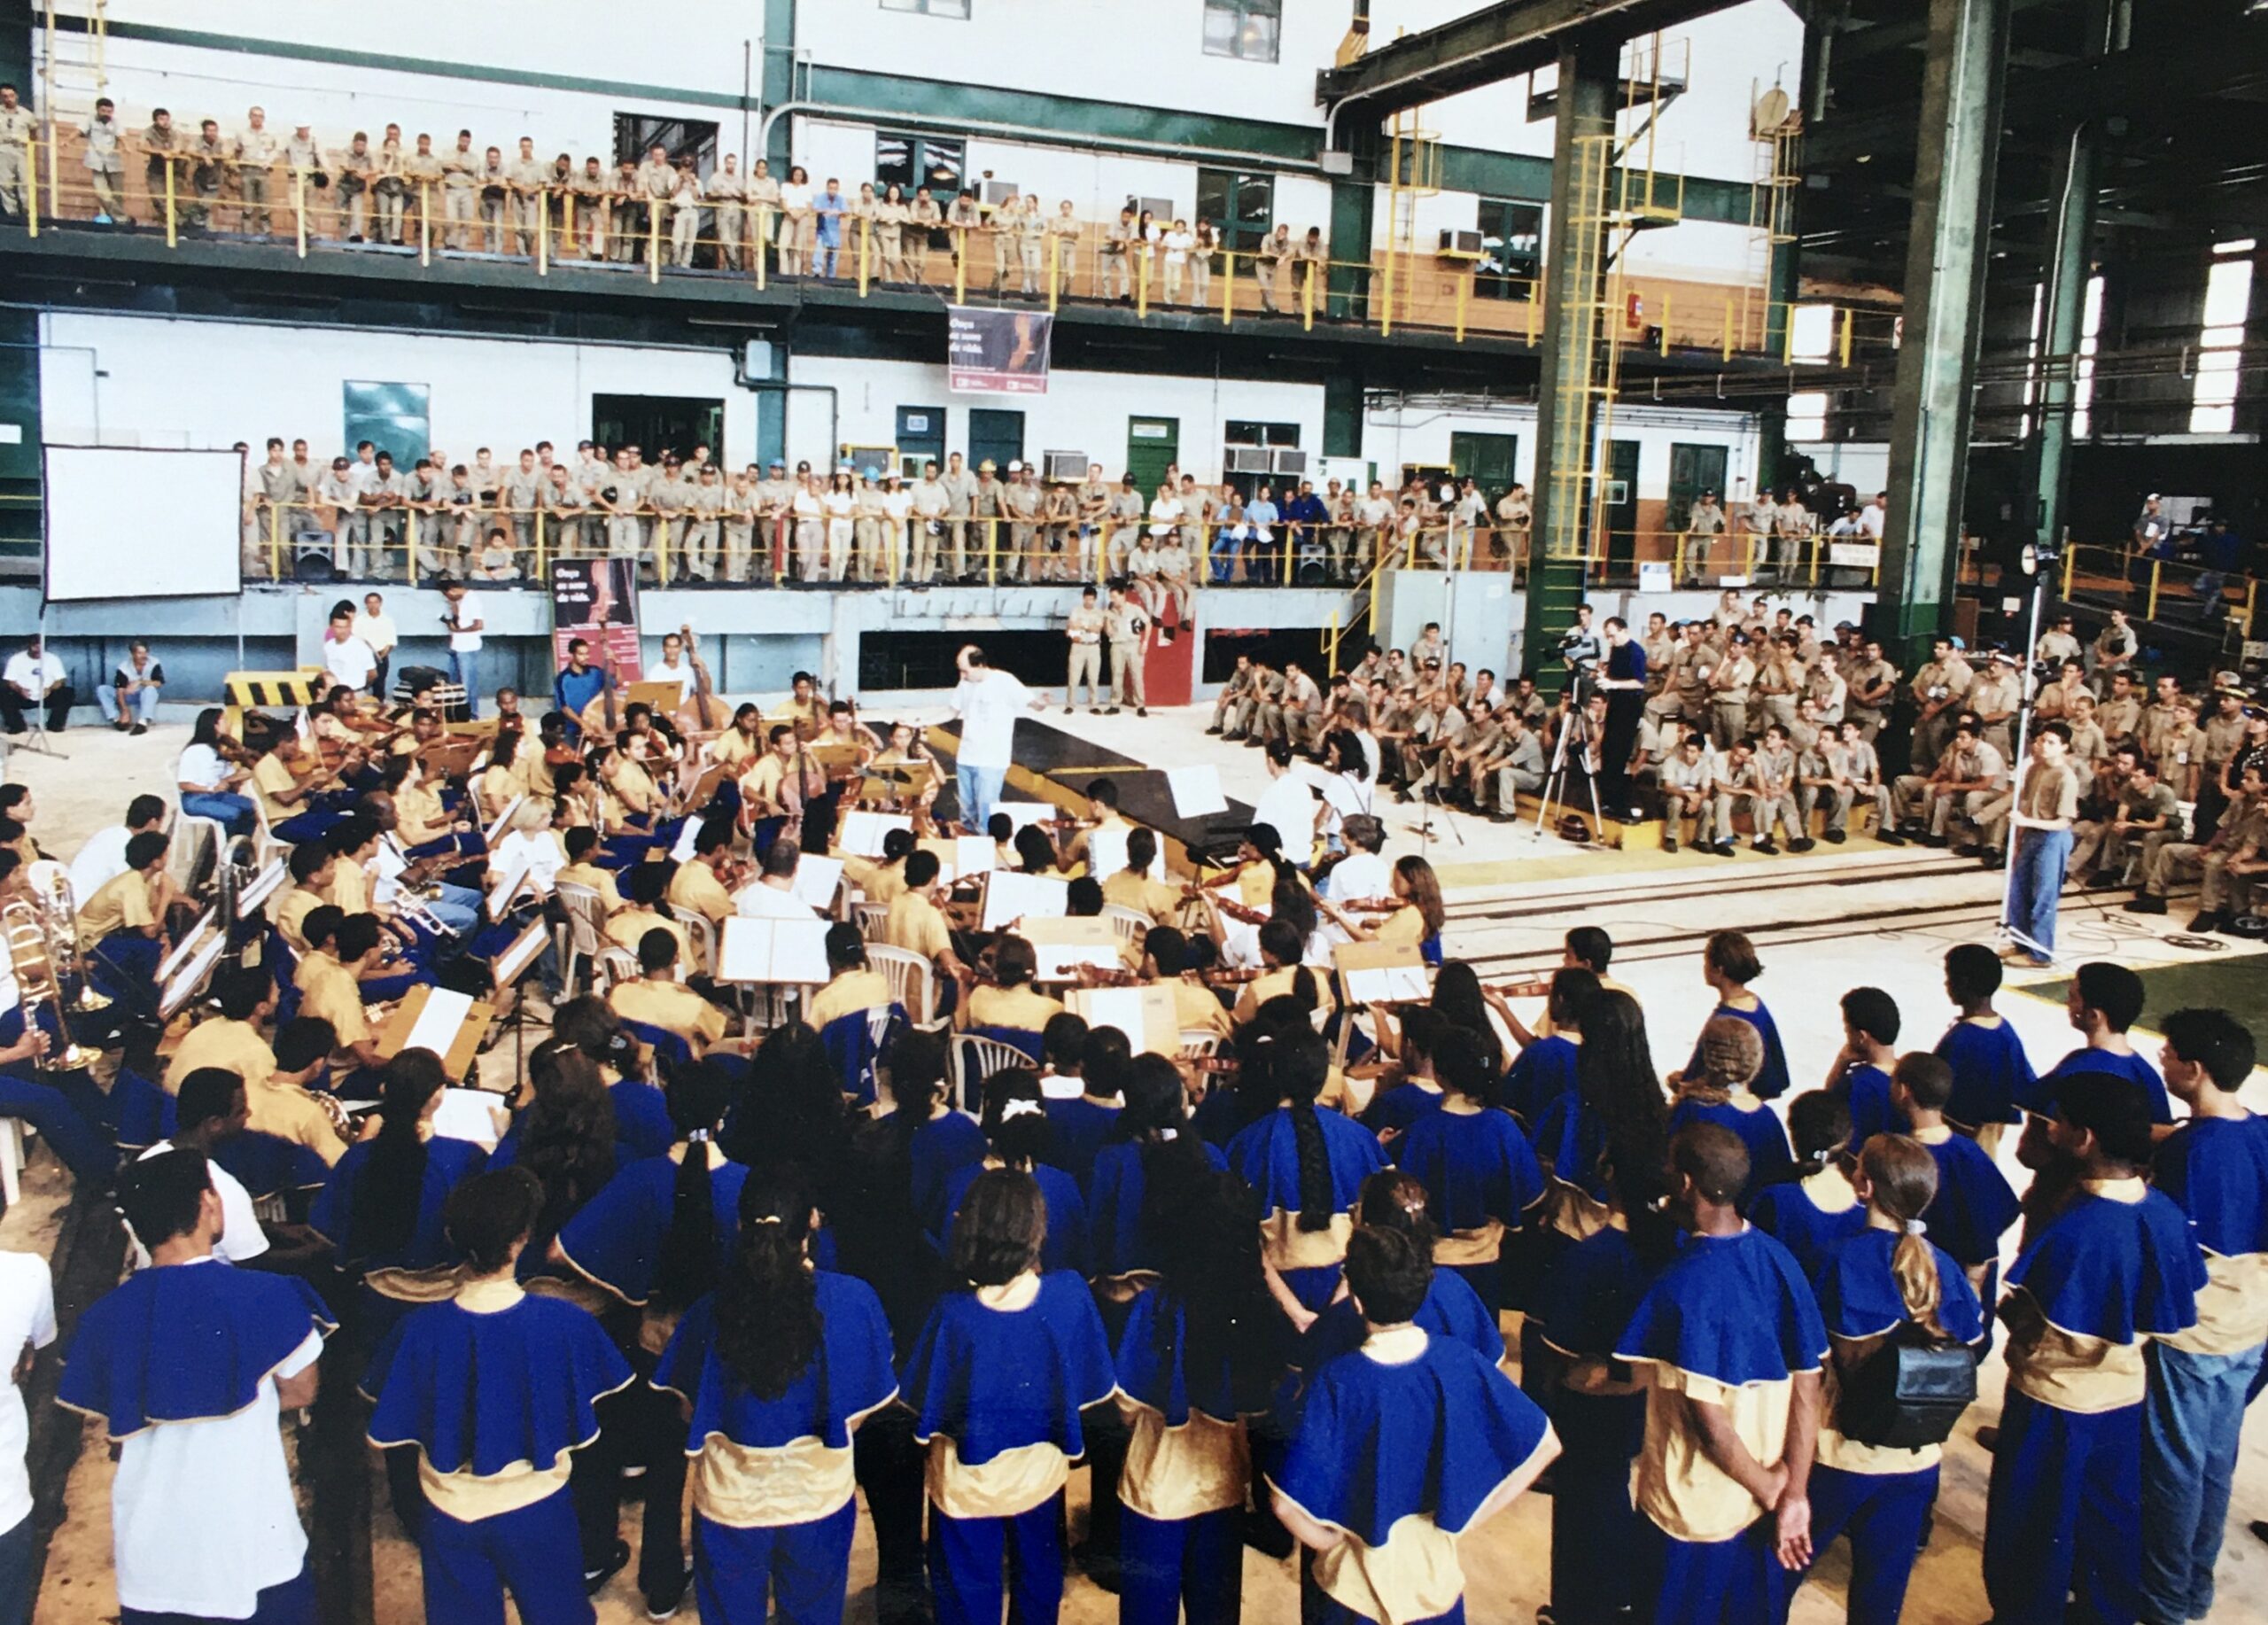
x,y
1393,1110
1728,965
1814,1209
1884,1278
829,205
2215,1168
2103,1000
1991,1071
1860,1070
1019,1136
1405,1444
1731,1051
1263,515
1080,1087
1545,1068
1307,514
577,685
2117,1267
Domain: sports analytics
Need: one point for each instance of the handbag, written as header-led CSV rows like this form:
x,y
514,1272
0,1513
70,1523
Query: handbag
x,y
1909,1393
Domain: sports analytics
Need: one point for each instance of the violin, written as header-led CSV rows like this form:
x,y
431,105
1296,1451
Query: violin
x,y
1224,975
1243,911
1522,989
1101,976
1370,905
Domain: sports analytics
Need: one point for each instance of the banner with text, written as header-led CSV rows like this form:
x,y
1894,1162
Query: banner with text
x,y
597,599
997,352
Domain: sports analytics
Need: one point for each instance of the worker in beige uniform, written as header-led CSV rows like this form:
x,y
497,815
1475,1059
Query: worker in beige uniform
x,y
526,177
390,187
685,216
1063,239
257,149
727,195
960,505
460,185
1994,696
1729,687
1088,624
18,129
1941,689
423,174
1129,629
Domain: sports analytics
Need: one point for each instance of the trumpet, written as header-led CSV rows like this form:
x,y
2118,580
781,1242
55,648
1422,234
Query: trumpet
x,y
62,915
31,957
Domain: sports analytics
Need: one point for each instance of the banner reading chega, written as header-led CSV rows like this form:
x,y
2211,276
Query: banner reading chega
x,y
991,352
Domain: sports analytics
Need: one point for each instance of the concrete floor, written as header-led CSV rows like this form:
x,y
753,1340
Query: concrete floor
x,y
1824,922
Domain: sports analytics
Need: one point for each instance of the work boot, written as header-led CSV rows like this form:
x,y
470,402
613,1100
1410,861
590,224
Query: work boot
x,y
2143,903
2210,920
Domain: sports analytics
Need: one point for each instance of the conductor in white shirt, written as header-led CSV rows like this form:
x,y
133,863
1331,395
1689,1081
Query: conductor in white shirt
x,y
986,702
773,896
464,626
34,679
1287,807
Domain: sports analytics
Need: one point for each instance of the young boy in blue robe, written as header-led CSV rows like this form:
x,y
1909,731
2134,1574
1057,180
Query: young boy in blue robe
x,y
1306,1165
1815,1211
495,1390
997,1384
2115,1267
777,1370
1405,1445
1731,1052
1975,1204
1860,1070
1476,1166
1728,965
190,1365
2102,1002
1991,1071
2215,1168
1730,1343
1880,1280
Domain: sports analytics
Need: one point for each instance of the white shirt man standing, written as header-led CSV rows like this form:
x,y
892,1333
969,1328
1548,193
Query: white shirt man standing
x,y
377,629
27,1325
986,701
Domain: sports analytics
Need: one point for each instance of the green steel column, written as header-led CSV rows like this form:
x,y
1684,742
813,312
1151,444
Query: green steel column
x,y
1946,259
2063,299
775,78
1567,413
1342,415
1354,223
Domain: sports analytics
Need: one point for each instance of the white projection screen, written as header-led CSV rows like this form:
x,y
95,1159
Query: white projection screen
x,y
129,521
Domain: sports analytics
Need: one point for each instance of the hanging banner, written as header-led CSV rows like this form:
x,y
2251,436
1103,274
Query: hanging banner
x,y
991,352
596,599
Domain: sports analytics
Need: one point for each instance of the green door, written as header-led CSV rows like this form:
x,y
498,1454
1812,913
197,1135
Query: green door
x,y
996,434
1153,445
1486,460
1619,508
920,438
1692,470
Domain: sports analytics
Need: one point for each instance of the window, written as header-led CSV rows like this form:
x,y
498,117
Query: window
x,y
2083,371
909,162
636,133
2220,338
1242,208
1813,337
1251,30
1807,416
930,8
2031,356
396,418
1512,250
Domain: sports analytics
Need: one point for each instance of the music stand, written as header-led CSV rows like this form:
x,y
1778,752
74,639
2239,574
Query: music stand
x,y
508,970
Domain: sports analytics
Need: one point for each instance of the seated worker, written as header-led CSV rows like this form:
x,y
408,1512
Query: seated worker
x,y
1170,965
918,925
230,1039
641,911
1009,1001
657,998
853,988
1132,886
122,928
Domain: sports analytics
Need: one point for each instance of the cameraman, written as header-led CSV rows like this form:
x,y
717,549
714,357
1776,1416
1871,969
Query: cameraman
x,y
1580,649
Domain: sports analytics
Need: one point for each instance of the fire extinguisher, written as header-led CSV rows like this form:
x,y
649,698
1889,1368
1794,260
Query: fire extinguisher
x,y
1634,310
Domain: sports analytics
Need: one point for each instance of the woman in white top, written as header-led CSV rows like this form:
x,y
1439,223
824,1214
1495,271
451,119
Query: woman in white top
x,y
798,226
208,785
811,525
897,507
840,503
531,843
1177,243
1165,514
1203,244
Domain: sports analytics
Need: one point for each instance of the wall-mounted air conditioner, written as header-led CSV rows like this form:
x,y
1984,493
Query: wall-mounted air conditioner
x,y
1249,460
1065,465
1290,461
1459,245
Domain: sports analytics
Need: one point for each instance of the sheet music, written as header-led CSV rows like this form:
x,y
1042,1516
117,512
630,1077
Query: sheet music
x,y
501,895
495,831
862,833
1386,984
468,1114
187,943
522,953
1115,1006
1010,895
262,886
190,977
791,952
815,880
438,1024
1196,790
1022,812
975,855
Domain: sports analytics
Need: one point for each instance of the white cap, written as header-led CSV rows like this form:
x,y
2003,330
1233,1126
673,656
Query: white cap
x,y
1015,466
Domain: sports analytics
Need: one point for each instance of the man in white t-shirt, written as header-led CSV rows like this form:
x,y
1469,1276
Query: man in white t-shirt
x,y
986,702
673,667
1363,872
27,1325
1287,807
192,1378
375,628
464,626
345,657
772,896
35,679
210,1107
104,858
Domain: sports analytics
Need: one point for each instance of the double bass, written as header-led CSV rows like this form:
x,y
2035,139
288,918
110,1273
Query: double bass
x,y
696,718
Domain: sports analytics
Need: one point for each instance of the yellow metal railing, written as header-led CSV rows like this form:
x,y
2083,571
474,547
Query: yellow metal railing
x,y
565,223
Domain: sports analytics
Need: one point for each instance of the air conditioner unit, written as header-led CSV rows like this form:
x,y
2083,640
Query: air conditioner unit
x,y
995,192
1290,461
881,459
1459,245
1064,465
1249,460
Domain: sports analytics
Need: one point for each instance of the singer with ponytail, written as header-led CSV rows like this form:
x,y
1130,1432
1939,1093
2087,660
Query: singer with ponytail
x,y
1306,1165
776,1369
495,1391
1888,1278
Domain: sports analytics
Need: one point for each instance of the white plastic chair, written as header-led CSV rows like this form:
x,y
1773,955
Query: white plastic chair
x,y
913,981
615,965
11,1160
976,1059
870,918
1131,924
1200,1045
580,938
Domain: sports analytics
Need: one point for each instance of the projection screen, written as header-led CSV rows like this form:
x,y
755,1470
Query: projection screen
x,y
129,521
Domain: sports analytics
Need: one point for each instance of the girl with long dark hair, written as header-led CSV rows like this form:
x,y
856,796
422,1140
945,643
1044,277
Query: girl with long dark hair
x,y
1007,1363
381,1208
1548,1067
1155,1152
777,1369
564,1135
642,1115
494,1390
1018,1136
1476,1166
1618,1102
1418,919
1306,1165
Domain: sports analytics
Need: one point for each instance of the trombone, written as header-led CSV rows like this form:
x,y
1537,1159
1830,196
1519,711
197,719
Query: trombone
x,y
62,915
27,933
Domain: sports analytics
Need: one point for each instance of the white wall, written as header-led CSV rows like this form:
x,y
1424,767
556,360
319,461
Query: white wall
x,y
1082,411
211,384
1863,465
